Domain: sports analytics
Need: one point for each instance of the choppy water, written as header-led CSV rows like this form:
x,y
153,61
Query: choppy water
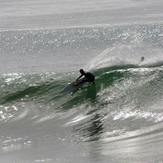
x,y
119,120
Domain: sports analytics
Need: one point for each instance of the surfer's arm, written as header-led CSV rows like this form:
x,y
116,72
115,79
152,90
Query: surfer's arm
x,y
79,77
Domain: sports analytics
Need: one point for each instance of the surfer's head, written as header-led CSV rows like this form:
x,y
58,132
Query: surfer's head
x,y
142,59
82,71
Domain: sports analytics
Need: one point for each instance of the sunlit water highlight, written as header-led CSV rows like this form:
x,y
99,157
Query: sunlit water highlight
x,y
119,120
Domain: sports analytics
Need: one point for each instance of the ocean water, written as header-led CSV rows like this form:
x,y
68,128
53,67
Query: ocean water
x,y
43,45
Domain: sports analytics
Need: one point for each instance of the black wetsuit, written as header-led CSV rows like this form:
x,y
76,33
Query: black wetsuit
x,y
89,77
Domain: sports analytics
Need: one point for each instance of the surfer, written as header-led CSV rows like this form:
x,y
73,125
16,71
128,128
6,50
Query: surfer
x,y
88,77
142,59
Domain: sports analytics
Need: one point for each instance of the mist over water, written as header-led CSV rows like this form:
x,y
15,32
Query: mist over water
x,y
43,46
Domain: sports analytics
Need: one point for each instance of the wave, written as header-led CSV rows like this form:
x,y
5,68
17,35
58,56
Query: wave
x,y
123,95
124,109
35,86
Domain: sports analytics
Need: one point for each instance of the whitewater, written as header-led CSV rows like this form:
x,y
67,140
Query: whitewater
x,y
44,44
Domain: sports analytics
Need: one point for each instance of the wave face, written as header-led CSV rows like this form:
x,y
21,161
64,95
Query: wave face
x,y
125,107
118,120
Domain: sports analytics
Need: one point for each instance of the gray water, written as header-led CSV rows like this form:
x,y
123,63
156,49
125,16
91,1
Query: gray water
x,y
43,45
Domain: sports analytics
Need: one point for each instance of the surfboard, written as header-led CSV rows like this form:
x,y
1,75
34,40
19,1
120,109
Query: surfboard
x,y
72,87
